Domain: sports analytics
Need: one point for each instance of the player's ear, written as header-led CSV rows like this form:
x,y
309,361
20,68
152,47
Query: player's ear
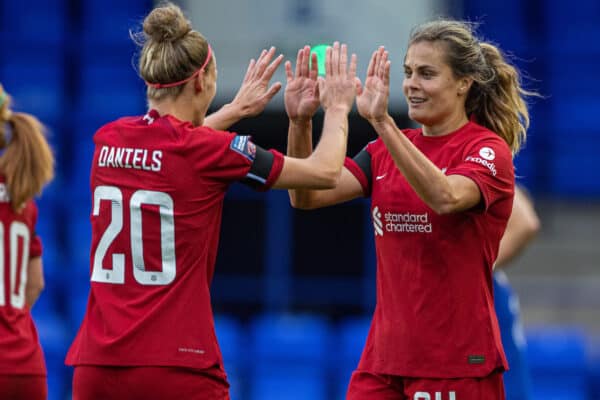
x,y
464,85
199,82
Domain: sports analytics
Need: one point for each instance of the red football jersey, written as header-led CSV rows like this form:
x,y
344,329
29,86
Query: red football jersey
x,y
435,312
20,350
158,186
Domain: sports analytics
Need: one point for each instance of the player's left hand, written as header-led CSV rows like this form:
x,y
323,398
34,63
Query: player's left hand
x,y
372,99
255,93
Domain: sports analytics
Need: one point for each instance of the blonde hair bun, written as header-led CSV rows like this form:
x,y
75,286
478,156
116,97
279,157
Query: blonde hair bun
x,y
166,24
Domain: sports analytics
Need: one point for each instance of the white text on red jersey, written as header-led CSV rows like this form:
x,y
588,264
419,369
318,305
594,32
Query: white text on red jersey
x,y
128,157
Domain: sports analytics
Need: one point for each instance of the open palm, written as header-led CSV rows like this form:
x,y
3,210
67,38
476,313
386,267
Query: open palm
x,y
338,89
372,101
255,93
302,92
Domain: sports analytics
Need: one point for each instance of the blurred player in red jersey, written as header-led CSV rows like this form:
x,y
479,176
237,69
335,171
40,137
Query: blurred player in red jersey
x,y
441,197
26,165
158,183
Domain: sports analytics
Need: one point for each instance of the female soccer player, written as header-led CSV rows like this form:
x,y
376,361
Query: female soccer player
x,y
26,165
158,183
441,197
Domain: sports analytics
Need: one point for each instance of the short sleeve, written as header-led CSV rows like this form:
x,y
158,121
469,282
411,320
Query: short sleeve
x,y
219,156
226,157
35,246
489,164
360,167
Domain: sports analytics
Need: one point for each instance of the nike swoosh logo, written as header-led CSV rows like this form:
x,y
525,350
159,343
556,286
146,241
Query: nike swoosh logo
x,y
378,177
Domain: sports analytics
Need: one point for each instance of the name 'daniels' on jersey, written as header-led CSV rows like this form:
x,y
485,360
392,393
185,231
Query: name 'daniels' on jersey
x,y
128,157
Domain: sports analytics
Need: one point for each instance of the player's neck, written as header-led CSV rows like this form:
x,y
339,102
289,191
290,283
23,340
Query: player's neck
x,y
182,112
449,125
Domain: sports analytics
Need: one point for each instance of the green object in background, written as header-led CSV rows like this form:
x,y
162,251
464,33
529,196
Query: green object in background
x,y
320,50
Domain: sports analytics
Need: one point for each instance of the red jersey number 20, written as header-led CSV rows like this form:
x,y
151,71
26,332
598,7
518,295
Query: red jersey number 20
x,y
116,274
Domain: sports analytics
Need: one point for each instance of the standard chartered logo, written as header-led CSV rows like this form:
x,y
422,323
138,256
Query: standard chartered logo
x,y
400,222
377,224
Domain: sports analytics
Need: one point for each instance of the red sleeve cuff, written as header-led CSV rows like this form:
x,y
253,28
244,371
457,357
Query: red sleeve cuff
x,y
359,174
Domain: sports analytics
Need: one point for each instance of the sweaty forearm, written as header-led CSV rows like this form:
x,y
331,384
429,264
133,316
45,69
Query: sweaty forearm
x,y
223,118
330,153
299,145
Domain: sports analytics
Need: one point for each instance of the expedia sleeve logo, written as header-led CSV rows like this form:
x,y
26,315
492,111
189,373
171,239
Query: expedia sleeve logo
x,y
485,158
400,222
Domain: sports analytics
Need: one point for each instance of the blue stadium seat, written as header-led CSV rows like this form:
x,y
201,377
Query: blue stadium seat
x,y
55,340
230,337
78,297
585,10
493,16
594,372
110,92
282,385
36,87
290,357
571,42
79,174
558,363
525,169
287,337
573,168
109,21
561,87
78,236
41,20
583,111
53,264
352,337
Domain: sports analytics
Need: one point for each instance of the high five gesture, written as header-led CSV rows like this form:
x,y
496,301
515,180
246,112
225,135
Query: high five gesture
x,y
336,93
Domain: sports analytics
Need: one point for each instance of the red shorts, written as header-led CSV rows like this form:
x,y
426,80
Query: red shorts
x,y
147,383
367,386
23,387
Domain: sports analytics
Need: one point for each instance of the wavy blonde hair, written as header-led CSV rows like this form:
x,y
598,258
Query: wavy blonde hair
x,y
496,98
27,162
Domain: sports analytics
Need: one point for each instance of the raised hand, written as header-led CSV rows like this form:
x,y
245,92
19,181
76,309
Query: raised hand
x,y
302,91
255,93
372,99
339,87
